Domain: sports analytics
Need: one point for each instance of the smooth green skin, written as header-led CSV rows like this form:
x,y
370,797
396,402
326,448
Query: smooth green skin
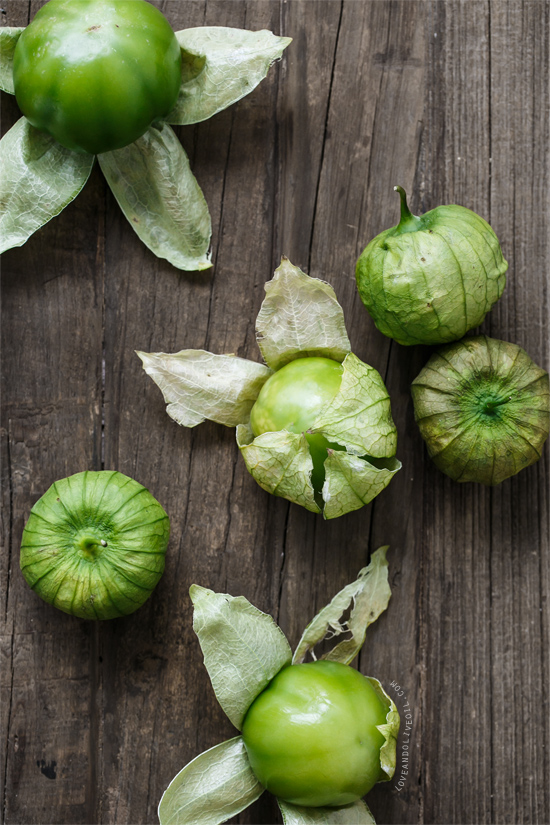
x,y
293,398
94,545
483,408
432,278
96,74
311,735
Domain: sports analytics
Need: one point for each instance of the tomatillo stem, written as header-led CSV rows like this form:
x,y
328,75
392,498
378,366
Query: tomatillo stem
x,y
489,406
408,222
91,547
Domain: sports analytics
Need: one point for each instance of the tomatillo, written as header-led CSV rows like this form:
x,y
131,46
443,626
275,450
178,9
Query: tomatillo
x,y
431,278
95,74
312,735
94,545
293,398
483,409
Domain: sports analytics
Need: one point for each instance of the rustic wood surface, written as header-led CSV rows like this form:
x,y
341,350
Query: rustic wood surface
x,y
449,99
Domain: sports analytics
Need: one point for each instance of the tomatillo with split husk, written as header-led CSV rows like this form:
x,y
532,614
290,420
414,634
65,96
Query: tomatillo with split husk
x,y
293,398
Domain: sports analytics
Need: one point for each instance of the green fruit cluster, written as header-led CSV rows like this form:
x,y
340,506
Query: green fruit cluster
x,y
482,405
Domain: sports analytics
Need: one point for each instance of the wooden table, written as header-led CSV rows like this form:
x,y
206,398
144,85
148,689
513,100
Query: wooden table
x,y
448,99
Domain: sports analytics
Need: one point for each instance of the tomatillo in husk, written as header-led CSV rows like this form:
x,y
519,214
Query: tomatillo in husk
x,y
483,408
432,278
314,424
312,735
95,74
293,398
94,545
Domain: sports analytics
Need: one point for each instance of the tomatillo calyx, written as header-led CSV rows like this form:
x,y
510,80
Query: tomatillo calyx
x,y
483,409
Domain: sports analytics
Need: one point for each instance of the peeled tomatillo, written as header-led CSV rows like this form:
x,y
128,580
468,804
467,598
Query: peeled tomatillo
x,y
432,278
311,736
95,74
293,398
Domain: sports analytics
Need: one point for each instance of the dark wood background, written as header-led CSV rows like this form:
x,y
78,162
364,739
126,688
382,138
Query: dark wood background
x,y
448,99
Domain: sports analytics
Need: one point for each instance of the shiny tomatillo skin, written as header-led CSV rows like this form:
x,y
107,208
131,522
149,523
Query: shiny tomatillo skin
x,y
432,278
293,398
311,735
95,74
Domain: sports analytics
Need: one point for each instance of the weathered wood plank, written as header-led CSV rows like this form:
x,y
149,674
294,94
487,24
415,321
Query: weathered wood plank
x,y
483,679
370,146
455,168
218,512
520,534
52,296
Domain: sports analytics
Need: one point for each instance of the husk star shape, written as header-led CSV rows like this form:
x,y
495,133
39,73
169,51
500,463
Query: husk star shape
x,y
299,317
243,650
151,178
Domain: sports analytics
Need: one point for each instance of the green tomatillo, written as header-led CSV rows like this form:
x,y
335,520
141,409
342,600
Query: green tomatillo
x,y
95,74
483,408
312,736
293,398
94,545
317,734
432,278
105,80
314,423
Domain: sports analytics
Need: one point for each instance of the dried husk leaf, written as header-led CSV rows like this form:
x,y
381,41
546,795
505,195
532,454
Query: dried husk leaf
x,y
9,35
281,464
212,788
199,385
357,813
300,317
243,648
368,597
38,178
351,481
152,181
220,66
390,731
359,417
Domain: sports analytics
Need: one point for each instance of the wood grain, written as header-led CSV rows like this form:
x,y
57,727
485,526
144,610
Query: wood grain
x,y
448,99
